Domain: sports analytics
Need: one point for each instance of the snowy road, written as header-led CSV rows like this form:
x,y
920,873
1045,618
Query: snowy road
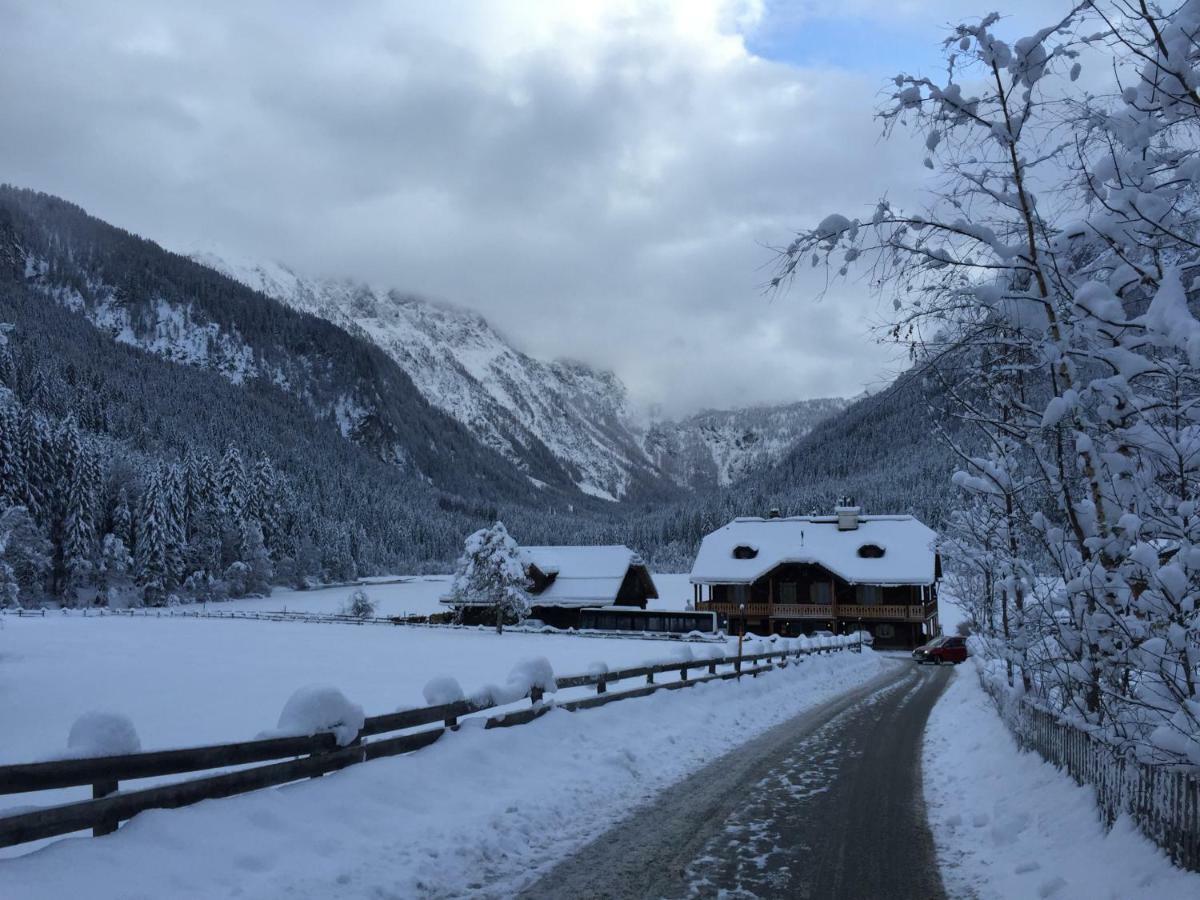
x,y
825,805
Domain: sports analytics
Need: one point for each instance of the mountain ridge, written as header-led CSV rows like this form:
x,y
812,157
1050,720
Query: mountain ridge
x,y
551,419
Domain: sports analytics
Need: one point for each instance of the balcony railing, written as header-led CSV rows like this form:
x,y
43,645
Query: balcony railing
x,y
901,612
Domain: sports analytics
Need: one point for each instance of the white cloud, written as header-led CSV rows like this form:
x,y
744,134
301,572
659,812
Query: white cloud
x,y
597,178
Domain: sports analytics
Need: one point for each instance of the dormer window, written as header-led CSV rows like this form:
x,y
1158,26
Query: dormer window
x,y
743,551
870,551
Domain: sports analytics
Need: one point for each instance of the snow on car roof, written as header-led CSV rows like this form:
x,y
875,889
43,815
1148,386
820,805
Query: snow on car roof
x,y
908,549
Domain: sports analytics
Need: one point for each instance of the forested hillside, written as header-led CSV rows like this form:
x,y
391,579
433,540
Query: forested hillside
x,y
168,433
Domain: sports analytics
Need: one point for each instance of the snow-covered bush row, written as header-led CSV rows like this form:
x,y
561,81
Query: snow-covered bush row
x,y
1047,288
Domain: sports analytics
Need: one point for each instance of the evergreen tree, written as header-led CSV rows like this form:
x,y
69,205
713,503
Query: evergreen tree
x,y
150,564
256,559
491,574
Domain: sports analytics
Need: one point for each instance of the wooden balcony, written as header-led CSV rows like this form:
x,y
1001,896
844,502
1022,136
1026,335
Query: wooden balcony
x,y
894,612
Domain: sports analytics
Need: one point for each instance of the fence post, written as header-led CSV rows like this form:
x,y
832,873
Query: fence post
x,y
683,673
649,678
535,695
99,790
602,685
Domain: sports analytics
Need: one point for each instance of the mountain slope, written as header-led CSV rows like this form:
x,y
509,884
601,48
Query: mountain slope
x,y
554,420
142,296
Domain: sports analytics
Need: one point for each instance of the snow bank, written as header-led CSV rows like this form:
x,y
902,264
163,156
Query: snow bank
x,y
317,708
1006,824
102,734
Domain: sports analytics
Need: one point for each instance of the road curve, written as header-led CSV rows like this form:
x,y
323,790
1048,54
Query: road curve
x,y
825,805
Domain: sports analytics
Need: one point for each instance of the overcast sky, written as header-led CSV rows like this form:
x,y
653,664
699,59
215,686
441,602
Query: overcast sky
x,y
599,179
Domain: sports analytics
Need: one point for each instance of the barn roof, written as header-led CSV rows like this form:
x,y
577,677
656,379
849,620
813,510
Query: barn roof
x,y
748,548
585,576
581,576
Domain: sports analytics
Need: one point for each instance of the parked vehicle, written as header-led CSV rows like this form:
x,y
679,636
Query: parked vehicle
x,y
942,650
865,636
821,633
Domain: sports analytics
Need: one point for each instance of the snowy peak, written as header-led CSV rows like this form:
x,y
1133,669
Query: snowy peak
x,y
560,422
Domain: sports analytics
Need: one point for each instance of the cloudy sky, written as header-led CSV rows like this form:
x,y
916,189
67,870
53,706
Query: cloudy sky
x,y
602,180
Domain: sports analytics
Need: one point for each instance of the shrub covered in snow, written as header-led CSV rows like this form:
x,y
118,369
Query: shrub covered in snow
x,y
359,605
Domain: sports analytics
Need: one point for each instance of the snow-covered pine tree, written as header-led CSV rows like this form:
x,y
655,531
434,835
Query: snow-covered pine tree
x,y
78,535
258,562
150,559
233,486
491,574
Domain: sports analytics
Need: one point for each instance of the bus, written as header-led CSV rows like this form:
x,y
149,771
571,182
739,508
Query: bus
x,y
630,618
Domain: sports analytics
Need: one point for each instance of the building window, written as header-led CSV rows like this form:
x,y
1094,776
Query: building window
x,y
744,552
820,592
739,593
787,592
869,594
870,551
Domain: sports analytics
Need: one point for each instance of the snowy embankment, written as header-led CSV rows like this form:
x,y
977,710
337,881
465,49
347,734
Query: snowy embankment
x,y
1007,824
479,812
413,595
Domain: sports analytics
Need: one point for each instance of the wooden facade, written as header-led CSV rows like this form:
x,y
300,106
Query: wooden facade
x,y
800,598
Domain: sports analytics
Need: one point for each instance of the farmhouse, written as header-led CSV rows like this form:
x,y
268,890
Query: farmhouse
x,y
565,580
839,573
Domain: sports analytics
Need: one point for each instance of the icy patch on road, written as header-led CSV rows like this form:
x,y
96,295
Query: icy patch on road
x,y
1006,824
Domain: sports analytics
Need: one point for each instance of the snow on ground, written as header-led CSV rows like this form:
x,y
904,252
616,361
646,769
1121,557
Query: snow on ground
x,y
477,814
1006,824
414,595
193,681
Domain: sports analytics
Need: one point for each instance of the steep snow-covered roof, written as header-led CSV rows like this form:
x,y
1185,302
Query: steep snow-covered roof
x,y
908,552
583,576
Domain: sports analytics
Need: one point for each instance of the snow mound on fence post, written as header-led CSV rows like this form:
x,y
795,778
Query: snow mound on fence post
x,y
318,708
534,672
443,690
102,734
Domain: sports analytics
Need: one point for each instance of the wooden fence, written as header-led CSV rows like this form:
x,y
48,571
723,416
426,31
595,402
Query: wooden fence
x,y
1164,801
411,621
296,758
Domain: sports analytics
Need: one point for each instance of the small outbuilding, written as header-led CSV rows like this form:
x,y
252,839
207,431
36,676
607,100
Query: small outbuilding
x,y
565,580
843,572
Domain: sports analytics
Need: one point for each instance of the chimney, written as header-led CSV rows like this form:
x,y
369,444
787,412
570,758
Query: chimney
x,y
847,514
774,513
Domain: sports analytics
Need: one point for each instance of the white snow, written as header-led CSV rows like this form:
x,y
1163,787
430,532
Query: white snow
x,y
99,733
193,681
442,690
479,813
419,595
318,708
1006,824
908,545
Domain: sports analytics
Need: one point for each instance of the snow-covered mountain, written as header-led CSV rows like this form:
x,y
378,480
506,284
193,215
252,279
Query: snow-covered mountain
x,y
723,446
559,420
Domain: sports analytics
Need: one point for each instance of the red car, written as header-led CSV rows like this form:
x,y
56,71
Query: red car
x,y
942,650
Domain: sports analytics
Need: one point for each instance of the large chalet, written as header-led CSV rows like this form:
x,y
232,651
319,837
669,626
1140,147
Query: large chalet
x,y
839,573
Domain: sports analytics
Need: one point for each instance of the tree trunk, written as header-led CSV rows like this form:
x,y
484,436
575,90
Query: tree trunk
x,y
499,619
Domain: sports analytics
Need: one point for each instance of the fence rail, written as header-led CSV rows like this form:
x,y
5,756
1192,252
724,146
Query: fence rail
x,y
407,620
295,758
1163,801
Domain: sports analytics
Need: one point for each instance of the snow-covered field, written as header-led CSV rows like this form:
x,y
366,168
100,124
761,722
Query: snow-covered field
x,y
477,813
416,595
194,681
1007,824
